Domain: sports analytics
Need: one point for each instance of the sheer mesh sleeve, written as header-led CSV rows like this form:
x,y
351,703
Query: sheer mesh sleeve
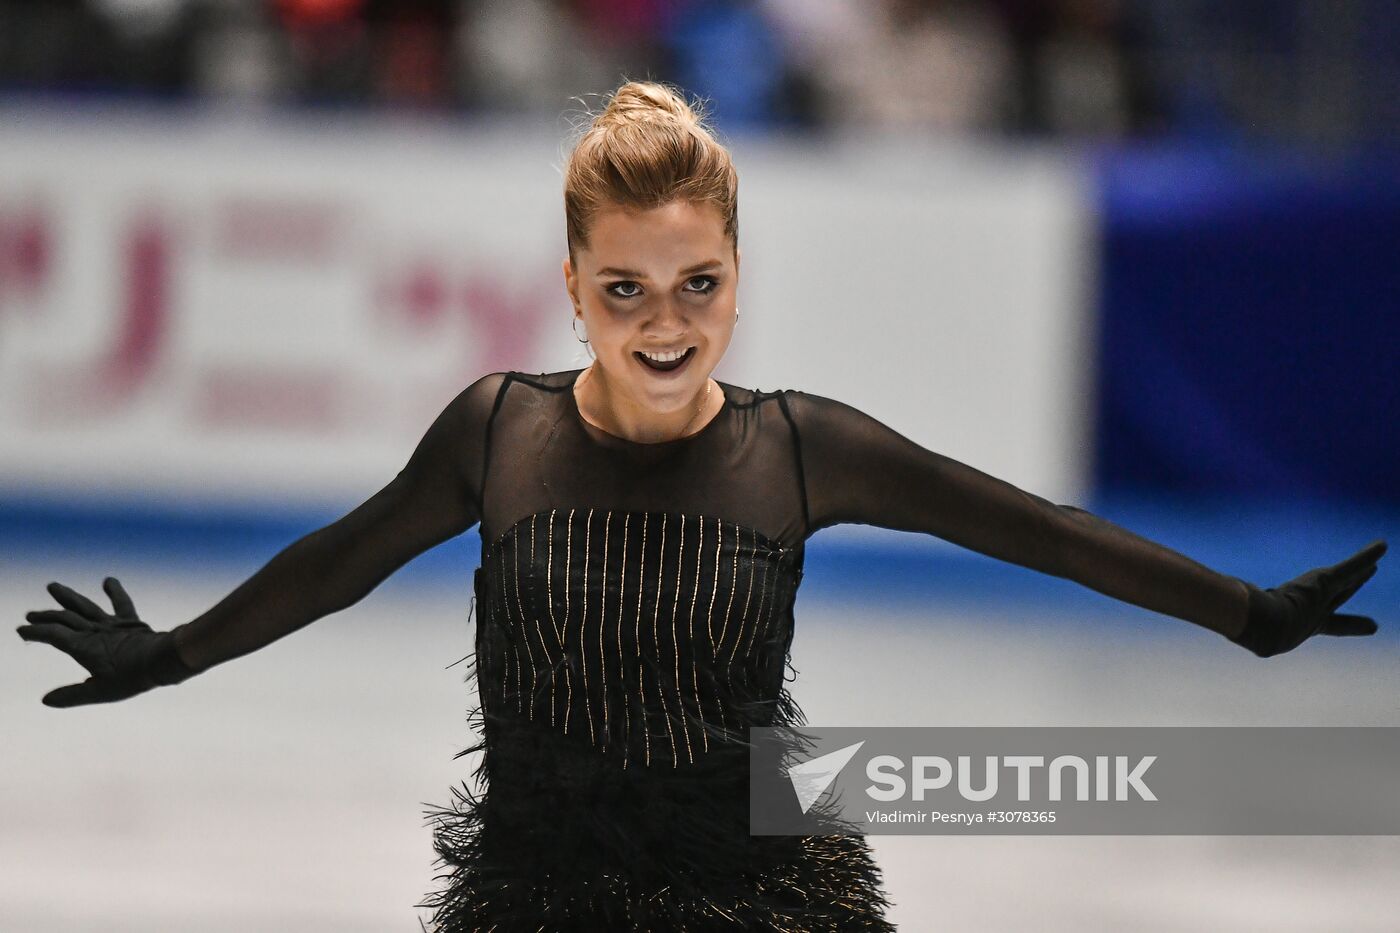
x,y
858,470
435,496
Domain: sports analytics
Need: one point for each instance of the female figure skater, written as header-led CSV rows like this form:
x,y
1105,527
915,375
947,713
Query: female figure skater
x,y
642,531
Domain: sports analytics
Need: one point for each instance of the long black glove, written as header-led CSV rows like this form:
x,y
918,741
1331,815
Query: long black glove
x,y
1282,617
123,654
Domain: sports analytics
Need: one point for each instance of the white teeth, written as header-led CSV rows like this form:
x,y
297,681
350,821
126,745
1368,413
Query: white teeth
x,y
665,357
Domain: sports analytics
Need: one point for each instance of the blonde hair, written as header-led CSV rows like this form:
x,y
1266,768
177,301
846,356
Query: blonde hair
x,y
648,147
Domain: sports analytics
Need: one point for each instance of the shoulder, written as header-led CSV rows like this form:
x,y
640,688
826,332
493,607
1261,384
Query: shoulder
x,y
477,401
797,412
483,397
829,421
551,381
742,397
805,407
757,406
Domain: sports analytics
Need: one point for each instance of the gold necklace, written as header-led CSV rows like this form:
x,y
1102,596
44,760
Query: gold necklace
x,y
709,385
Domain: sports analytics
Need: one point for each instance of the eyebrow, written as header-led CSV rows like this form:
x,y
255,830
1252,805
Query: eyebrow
x,y
613,270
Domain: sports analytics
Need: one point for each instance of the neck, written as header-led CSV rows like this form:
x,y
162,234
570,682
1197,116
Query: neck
x,y
614,412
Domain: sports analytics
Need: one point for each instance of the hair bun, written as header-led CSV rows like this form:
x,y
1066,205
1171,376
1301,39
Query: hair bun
x,y
637,101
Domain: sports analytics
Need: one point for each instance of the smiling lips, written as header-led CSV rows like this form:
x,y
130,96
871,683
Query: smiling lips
x,y
665,361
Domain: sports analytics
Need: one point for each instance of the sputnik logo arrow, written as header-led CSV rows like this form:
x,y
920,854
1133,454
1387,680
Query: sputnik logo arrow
x,y
811,778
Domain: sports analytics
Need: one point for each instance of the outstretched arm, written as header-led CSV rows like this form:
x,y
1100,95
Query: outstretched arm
x,y
434,497
858,470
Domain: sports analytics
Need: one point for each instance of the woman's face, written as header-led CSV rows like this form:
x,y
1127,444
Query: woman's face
x,y
661,279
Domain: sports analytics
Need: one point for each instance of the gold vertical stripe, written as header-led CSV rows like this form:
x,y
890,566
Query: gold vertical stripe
x,y
710,615
568,587
782,595
675,642
743,616
539,630
583,626
765,652
734,586
524,625
622,588
690,638
544,646
508,627
656,639
488,613
637,646
716,648
749,666
602,623
758,615
503,631
549,601
621,665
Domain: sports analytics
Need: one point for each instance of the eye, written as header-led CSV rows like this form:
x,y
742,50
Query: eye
x,y
711,284
615,285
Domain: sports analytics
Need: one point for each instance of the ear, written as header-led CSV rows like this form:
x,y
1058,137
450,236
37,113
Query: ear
x,y
738,254
571,281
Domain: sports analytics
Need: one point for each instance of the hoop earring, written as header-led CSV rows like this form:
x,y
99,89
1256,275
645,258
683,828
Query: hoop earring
x,y
736,314
584,338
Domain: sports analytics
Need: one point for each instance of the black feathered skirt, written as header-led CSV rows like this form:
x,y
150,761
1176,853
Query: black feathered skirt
x,y
563,838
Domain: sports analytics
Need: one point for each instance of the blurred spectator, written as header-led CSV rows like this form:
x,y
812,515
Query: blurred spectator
x,y
526,55
727,51
1314,71
411,45
945,64
240,56
940,64
132,46
1078,68
329,45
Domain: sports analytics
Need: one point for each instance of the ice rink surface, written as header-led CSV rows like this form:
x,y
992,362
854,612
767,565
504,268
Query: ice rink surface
x,y
285,790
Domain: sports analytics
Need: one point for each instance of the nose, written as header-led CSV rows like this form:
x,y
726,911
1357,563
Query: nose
x,y
669,319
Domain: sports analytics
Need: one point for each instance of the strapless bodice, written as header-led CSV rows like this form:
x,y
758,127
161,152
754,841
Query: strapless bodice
x,y
650,636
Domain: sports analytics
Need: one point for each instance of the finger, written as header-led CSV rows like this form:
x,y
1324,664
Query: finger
x,y
73,695
71,599
60,636
65,617
1350,591
1345,572
1344,624
121,602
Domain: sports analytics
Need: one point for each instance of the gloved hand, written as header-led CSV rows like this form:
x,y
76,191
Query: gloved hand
x,y
1283,617
123,654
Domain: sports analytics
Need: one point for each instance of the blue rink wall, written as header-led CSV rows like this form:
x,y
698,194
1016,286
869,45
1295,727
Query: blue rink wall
x,y
1249,313
1246,376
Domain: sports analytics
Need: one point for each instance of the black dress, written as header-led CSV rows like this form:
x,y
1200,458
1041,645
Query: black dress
x,y
636,617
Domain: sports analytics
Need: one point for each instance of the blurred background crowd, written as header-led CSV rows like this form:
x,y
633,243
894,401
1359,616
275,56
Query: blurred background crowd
x,y
1310,72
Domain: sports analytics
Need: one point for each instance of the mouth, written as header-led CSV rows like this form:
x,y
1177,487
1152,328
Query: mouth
x,y
671,366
